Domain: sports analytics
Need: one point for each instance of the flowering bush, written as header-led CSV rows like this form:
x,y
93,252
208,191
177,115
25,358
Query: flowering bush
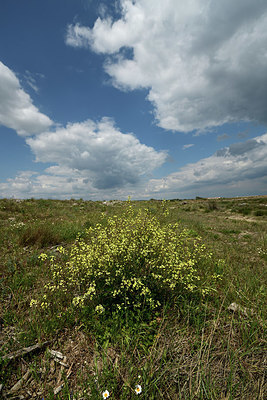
x,y
131,261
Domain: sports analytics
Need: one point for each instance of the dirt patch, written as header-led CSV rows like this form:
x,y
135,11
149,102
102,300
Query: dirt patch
x,y
240,218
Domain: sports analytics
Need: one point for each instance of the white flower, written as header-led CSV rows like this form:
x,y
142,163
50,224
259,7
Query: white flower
x,y
138,389
105,394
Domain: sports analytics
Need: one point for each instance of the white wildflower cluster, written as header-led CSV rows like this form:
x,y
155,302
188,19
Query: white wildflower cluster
x,y
16,225
138,390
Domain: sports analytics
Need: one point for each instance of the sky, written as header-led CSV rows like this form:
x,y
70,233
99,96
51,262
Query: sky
x,y
104,99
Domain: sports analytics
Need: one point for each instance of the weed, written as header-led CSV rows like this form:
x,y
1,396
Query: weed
x,y
211,206
260,213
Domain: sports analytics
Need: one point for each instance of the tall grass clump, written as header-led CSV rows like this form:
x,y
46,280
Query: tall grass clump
x,y
127,262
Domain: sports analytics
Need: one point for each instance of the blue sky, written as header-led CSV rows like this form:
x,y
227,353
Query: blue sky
x,y
153,99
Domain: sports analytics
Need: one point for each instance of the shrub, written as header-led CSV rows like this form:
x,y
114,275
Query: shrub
x,y
211,206
260,213
130,262
244,211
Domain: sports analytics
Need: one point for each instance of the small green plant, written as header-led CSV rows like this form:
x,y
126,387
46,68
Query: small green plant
x,y
244,211
43,235
260,213
211,206
130,262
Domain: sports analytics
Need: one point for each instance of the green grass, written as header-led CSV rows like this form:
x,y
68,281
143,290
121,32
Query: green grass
x,y
190,348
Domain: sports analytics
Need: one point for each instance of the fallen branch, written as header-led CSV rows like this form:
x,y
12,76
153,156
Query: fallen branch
x,y
18,385
24,351
61,370
62,363
57,356
58,388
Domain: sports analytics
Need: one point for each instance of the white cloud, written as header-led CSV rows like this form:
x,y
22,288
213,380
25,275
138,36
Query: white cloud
x,y
87,157
31,79
238,169
16,108
187,146
57,184
97,152
203,61
29,184
77,36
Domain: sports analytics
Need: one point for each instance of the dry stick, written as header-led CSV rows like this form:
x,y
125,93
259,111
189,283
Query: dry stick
x,y
61,363
57,356
24,351
61,370
18,385
58,389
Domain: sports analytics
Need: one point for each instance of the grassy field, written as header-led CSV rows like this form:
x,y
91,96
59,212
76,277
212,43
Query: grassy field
x,y
191,347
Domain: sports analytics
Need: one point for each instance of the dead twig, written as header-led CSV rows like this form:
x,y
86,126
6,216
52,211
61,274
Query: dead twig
x,y
24,351
18,385
57,356
60,387
61,370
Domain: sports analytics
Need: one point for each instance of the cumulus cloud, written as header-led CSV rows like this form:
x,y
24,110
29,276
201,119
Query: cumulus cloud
x,y
64,183
99,152
16,108
47,185
86,157
202,61
238,169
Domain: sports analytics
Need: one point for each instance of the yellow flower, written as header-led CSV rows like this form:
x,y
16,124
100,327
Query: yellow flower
x,y
33,303
99,309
